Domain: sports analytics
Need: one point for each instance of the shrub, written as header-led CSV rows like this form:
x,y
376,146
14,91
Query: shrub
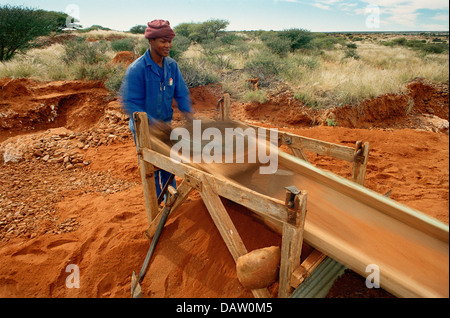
x,y
351,53
255,96
264,66
307,99
230,39
299,38
195,75
93,28
126,44
276,44
400,41
435,48
180,44
331,122
115,79
138,29
199,32
81,50
92,72
322,41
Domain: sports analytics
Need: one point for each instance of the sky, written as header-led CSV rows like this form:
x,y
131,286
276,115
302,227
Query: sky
x,y
315,15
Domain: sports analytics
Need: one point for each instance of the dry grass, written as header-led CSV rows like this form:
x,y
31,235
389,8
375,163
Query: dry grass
x,y
320,78
378,70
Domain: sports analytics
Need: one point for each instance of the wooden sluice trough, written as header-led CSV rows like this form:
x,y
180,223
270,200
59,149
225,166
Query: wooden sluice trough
x,y
339,218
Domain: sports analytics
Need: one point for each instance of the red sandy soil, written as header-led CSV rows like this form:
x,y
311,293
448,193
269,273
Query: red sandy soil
x,y
83,204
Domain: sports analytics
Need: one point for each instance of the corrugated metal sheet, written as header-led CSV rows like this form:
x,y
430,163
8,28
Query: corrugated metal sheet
x,y
320,281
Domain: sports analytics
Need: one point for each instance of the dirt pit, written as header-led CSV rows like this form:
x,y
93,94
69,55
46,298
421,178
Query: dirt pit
x,y
71,192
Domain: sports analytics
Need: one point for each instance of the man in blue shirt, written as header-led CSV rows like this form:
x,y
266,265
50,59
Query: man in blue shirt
x,y
152,82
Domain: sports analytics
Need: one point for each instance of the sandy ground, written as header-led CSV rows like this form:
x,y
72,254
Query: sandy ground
x,y
84,205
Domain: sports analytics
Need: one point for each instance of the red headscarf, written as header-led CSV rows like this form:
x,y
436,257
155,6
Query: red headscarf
x,y
159,29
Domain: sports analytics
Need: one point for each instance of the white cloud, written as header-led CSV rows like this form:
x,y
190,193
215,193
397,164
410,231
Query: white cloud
x,y
321,6
441,17
405,12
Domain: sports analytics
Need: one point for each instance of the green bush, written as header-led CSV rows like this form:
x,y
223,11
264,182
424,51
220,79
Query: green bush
x,y
400,41
255,96
80,49
230,39
322,41
435,48
352,53
194,75
299,38
126,44
93,28
115,79
263,65
276,44
138,29
180,44
419,45
200,32
307,99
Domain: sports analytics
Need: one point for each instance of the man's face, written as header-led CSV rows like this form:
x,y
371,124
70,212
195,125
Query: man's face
x,y
161,46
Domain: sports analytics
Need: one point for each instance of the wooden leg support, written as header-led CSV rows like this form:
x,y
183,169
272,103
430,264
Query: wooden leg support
x,y
226,228
291,243
361,157
147,169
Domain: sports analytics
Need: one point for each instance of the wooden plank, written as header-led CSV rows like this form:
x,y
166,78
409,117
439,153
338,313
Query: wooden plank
x,y
260,203
226,228
147,170
291,246
307,267
320,147
313,145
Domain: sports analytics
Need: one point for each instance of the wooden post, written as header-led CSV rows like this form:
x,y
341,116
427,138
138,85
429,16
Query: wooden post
x,y
225,107
147,170
291,245
360,162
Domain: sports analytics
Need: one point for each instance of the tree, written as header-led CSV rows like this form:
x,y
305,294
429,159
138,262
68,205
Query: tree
x,y
200,32
20,25
299,38
138,29
212,28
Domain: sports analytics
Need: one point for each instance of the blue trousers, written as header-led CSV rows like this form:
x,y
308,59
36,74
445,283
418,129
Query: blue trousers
x,y
161,176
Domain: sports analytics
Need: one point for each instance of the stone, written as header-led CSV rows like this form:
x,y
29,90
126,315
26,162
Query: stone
x,y
259,268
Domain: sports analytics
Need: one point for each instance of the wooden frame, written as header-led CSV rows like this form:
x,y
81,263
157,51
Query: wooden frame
x,y
211,188
347,222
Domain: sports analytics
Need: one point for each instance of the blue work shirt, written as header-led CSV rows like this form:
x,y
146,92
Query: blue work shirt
x,y
149,88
